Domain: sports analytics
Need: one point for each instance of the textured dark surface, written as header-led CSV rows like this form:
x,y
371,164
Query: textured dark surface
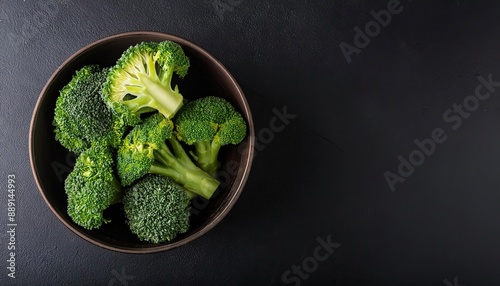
x,y
319,178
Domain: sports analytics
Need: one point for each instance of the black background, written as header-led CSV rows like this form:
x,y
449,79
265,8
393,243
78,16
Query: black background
x,y
321,177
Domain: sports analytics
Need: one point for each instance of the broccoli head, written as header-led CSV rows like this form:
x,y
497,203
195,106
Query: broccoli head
x,y
81,116
145,150
156,209
140,82
92,186
209,123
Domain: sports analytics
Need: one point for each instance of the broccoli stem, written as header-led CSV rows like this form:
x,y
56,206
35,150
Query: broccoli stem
x,y
155,95
181,154
206,156
181,169
163,162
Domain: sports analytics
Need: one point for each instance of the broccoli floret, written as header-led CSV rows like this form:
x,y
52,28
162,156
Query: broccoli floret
x,y
92,186
209,123
140,82
145,150
156,209
81,116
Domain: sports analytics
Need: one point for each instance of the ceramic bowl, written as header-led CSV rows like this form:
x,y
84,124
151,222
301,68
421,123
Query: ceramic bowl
x,y
51,163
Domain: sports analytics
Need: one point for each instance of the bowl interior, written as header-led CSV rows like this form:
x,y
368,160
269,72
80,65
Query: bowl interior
x,y
51,162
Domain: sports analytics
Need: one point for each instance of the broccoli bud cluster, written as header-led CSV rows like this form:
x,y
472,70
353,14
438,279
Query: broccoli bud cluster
x,y
140,142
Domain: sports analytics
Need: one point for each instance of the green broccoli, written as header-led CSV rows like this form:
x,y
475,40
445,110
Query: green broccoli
x,y
209,123
92,186
140,82
145,150
81,116
156,209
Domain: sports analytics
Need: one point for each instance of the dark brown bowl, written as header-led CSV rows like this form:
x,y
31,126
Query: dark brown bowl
x,y
51,163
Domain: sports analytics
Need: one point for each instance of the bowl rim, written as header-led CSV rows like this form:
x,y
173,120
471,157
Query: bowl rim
x,y
226,207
